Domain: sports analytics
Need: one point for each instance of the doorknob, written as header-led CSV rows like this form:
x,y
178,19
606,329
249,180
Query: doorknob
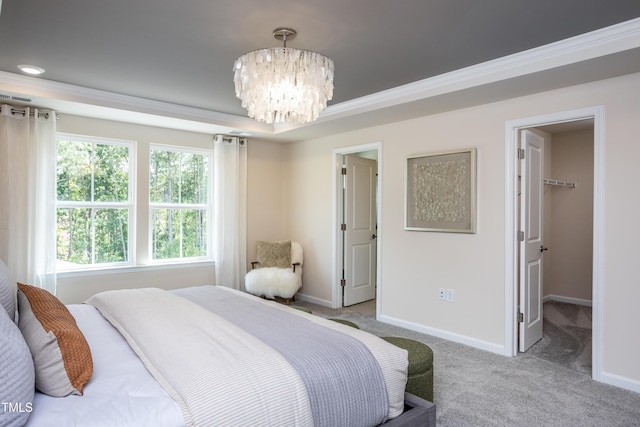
x,y
542,248
373,236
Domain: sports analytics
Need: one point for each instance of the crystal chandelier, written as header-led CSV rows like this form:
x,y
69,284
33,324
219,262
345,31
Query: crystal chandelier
x,y
283,85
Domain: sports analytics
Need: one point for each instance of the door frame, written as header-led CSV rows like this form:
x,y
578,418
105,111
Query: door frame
x,y
512,128
359,241
336,290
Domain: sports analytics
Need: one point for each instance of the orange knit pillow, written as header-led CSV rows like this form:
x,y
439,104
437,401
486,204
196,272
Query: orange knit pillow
x,y
61,354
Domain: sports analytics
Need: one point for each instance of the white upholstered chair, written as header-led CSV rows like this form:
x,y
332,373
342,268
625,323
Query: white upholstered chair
x,y
277,271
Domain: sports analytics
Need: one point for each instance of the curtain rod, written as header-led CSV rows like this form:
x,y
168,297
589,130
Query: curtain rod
x,y
45,114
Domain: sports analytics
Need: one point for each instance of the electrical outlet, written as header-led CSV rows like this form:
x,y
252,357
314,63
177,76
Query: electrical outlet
x,y
450,295
442,294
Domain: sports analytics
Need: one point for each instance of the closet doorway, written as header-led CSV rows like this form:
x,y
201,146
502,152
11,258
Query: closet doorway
x,y
567,246
591,120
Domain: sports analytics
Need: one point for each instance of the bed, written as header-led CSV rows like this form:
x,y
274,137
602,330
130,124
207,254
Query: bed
x,y
215,356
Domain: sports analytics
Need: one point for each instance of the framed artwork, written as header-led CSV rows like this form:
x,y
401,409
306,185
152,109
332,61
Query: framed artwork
x,y
440,192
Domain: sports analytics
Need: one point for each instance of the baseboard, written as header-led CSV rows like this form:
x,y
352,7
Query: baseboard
x,y
568,300
618,381
461,339
313,300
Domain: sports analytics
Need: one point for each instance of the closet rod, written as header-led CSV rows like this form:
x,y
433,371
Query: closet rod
x,y
560,183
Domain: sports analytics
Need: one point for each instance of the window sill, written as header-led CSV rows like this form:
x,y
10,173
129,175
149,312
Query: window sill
x,y
135,268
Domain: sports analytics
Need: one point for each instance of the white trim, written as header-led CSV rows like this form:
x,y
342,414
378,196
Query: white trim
x,y
208,207
337,248
130,205
462,339
134,269
618,381
597,295
568,300
83,101
314,300
511,129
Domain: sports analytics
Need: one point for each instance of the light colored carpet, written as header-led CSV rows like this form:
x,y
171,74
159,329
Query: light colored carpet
x,y
477,388
567,336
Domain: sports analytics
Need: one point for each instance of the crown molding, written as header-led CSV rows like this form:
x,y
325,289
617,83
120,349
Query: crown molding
x,y
96,103
606,41
80,100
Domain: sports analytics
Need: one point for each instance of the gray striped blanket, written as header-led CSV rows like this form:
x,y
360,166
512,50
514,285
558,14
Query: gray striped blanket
x,y
231,359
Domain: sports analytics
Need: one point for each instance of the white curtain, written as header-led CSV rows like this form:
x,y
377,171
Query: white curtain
x,y
28,195
230,205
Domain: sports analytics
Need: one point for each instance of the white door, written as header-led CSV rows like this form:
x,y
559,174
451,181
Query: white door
x,y
359,230
531,244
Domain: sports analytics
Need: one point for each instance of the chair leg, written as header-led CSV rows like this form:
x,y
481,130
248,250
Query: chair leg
x,y
286,301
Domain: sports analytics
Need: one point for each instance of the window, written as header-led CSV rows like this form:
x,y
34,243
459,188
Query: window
x,y
179,203
106,218
95,203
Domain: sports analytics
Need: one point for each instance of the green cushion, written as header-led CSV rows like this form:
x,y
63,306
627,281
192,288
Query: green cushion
x,y
346,322
420,371
298,307
420,355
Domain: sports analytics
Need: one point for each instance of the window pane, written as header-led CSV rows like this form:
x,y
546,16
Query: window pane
x,y
164,177
194,178
74,170
176,179
194,232
165,233
74,236
111,173
76,228
111,235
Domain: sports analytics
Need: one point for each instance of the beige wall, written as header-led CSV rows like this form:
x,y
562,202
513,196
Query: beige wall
x,y
414,265
569,260
265,195
308,212
76,288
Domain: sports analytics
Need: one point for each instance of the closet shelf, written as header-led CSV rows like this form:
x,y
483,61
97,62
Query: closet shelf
x,y
560,183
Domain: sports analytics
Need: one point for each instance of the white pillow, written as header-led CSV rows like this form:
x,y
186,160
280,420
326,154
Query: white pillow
x,y
17,377
7,292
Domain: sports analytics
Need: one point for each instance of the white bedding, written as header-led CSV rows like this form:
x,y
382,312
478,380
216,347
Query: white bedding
x,y
121,391
219,374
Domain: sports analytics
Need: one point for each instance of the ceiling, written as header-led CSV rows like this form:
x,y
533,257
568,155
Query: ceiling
x,y
171,61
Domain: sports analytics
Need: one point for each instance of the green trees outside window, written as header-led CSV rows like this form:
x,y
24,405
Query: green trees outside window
x,y
94,207
96,203
179,203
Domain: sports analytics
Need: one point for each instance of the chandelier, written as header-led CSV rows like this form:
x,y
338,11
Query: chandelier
x,y
283,85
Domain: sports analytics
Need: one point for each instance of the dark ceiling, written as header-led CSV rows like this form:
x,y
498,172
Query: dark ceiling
x,y
182,52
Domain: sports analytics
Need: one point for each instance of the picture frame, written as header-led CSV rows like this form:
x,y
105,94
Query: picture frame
x,y
440,192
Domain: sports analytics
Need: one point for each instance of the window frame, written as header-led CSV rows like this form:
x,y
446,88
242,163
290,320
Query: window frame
x,y
208,206
140,213
130,205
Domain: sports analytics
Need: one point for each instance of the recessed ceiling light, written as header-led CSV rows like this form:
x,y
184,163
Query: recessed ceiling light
x,y
31,69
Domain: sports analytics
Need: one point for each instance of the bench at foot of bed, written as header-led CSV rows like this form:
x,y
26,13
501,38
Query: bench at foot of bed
x,y
420,372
